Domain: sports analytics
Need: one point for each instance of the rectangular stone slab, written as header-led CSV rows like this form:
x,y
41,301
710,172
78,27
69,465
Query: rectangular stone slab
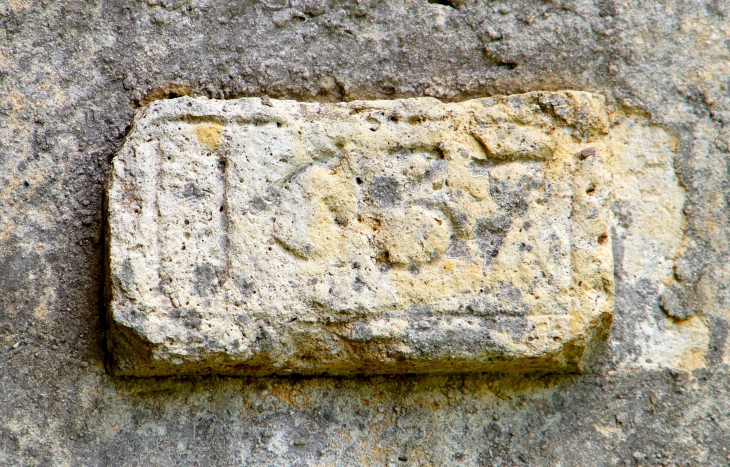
x,y
256,236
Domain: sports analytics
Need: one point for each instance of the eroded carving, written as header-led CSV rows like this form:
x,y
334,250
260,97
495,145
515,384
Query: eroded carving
x,y
369,237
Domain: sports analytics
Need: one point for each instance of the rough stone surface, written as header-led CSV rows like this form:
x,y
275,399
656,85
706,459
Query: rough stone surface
x,y
72,75
261,236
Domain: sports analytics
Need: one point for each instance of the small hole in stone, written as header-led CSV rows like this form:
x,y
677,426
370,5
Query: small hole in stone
x,y
591,190
586,153
603,239
358,180
449,3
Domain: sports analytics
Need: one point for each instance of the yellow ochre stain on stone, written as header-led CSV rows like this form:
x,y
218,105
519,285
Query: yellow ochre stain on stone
x,y
210,134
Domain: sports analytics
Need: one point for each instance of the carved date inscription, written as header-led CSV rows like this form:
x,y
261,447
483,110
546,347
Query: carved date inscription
x,y
258,236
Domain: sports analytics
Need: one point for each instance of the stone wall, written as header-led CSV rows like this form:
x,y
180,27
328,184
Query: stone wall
x,y
72,76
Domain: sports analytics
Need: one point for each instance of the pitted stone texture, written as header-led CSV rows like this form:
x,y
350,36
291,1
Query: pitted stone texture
x,y
258,236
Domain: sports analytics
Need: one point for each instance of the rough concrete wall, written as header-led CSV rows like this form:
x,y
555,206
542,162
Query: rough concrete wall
x,y
71,76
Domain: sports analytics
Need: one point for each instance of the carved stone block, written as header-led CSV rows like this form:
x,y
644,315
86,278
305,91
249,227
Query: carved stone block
x,y
257,236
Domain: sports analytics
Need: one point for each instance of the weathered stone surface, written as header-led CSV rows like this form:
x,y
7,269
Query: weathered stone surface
x,y
259,236
72,75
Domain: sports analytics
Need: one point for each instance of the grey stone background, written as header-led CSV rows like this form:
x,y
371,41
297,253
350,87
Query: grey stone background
x,y
72,74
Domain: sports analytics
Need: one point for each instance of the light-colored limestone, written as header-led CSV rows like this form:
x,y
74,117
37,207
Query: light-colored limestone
x,y
258,236
648,201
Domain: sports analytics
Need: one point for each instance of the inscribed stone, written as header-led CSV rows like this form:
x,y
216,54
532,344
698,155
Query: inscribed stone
x,y
257,236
